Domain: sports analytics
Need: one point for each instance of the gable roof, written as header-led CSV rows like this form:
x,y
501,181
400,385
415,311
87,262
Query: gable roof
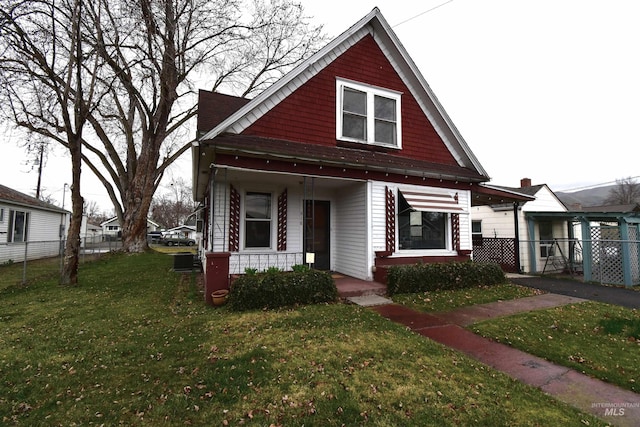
x,y
375,26
533,190
214,107
182,227
11,196
634,207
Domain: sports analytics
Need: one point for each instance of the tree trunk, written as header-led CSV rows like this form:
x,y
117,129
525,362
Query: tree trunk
x,y
137,201
69,274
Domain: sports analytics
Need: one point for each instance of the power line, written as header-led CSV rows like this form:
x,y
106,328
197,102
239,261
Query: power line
x,y
421,13
602,184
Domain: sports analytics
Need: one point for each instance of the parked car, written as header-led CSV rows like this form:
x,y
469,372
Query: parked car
x,y
154,236
176,240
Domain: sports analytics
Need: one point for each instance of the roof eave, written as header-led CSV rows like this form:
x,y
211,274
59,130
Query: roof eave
x,y
419,172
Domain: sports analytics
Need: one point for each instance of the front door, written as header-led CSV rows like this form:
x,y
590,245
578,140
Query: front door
x,y
317,233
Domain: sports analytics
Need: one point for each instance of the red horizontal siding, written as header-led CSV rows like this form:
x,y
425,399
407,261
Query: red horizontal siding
x,y
308,115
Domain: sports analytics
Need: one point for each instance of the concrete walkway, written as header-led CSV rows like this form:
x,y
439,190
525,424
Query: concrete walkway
x,y
569,386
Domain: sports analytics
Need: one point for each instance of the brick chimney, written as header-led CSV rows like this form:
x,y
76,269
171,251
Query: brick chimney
x,y
525,182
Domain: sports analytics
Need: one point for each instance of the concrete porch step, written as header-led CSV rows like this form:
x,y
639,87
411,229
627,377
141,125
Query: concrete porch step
x,y
352,287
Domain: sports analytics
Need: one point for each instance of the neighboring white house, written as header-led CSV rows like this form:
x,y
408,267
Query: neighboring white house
x,y
25,220
89,233
111,228
540,238
188,231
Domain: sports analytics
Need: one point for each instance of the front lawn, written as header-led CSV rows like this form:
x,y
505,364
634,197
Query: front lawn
x,y
451,299
134,345
598,339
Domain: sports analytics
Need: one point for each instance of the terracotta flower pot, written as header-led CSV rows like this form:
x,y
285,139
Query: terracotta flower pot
x,y
219,297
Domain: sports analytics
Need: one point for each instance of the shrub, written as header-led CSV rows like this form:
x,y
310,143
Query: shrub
x,y
300,268
275,288
441,276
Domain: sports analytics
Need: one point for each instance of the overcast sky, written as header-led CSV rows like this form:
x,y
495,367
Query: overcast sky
x,y
544,89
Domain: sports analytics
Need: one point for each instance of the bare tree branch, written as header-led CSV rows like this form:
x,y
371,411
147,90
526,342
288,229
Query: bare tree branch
x,y
141,63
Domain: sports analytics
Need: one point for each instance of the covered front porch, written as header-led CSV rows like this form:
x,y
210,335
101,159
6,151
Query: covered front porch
x,y
278,220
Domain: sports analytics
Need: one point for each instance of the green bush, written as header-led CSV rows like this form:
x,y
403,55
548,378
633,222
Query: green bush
x,y
442,276
273,289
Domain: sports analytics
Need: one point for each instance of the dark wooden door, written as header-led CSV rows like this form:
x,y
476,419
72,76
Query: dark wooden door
x,y
317,232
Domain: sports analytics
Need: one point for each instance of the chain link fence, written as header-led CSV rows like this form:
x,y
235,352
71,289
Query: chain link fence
x,y
22,263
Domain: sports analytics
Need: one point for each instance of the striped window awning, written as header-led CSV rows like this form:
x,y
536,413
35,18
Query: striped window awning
x,y
430,201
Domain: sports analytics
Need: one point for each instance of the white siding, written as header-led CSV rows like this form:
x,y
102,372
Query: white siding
x,y
42,235
500,223
464,199
220,226
378,215
497,223
260,259
45,226
545,201
350,232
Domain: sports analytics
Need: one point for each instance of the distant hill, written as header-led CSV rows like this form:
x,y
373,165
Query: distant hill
x,y
591,197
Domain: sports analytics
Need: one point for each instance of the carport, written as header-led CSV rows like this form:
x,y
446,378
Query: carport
x,y
609,239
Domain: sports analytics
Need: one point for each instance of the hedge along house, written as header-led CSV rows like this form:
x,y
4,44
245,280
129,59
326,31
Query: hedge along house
x,y
348,163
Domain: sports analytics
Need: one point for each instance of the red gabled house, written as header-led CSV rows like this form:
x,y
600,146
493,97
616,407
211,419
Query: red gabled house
x,y
348,163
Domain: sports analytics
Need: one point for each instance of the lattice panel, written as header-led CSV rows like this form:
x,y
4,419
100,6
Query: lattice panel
x,y
390,233
234,220
606,250
282,221
500,251
455,225
634,253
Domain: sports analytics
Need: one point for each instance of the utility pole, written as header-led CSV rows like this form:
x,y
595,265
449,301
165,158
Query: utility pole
x,y
40,173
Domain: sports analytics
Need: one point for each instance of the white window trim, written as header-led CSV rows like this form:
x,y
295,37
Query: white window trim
x,y
446,251
11,236
371,91
475,233
243,223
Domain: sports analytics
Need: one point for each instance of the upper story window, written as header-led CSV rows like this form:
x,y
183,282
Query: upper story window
x,y
367,114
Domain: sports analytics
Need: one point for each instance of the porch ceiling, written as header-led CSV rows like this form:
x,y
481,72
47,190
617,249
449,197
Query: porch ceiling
x,y
274,178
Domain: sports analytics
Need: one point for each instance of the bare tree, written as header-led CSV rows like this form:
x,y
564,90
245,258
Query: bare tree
x,y
625,192
49,88
173,207
93,212
149,56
